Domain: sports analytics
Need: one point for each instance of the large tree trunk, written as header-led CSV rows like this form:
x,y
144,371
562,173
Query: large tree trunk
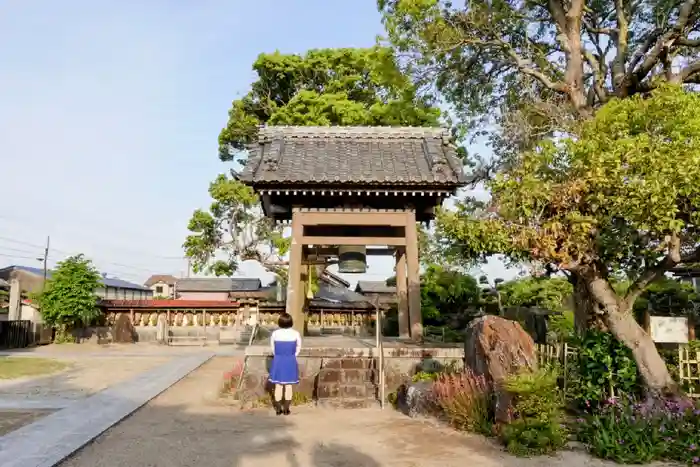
x,y
652,368
586,312
619,320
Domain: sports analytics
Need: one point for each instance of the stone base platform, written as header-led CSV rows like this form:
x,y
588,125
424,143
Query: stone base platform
x,y
347,376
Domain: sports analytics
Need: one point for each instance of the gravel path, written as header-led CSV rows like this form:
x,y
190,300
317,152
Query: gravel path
x,y
84,377
186,426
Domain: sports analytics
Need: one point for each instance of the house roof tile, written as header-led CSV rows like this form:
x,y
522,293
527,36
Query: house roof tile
x,y
218,284
408,156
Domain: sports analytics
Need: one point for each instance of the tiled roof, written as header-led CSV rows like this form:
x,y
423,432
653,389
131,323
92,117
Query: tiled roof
x,y
108,281
353,155
164,278
374,287
218,284
126,304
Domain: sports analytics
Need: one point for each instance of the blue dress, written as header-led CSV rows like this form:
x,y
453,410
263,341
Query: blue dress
x,y
284,368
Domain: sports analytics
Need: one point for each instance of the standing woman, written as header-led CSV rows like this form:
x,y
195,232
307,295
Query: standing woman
x,y
284,371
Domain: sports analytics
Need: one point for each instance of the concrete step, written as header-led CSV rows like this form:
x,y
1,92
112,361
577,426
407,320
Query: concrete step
x,y
346,403
347,376
339,390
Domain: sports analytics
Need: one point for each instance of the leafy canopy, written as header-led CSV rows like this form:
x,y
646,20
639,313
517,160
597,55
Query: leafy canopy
x,y
321,87
532,67
69,299
541,292
445,291
623,196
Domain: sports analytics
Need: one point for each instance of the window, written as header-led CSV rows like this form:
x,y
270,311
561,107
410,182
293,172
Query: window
x,y
159,289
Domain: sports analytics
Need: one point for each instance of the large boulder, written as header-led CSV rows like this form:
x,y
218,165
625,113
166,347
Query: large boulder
x,y
496,348
124,332
414,399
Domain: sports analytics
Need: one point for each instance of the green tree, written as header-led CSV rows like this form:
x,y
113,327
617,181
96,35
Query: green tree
x,y
528,69
445,292
322,87
541,292
620,200
68,299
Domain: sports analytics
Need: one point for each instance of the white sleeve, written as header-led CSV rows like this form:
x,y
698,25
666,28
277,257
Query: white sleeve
x,y
298,344
272,342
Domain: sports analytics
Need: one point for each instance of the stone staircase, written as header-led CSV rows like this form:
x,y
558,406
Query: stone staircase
x,y
347,383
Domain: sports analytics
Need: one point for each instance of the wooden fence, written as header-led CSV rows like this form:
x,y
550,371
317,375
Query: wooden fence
x,y
689,370
688,364
15,334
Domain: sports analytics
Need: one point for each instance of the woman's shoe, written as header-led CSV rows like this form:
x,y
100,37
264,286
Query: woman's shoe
x,y
278,407
285,409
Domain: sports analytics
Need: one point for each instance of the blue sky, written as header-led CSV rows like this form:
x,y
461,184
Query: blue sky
x,y
110,112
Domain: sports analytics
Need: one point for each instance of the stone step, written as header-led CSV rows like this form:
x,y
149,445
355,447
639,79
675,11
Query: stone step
x,y
350,363
338,390
347,376
346,403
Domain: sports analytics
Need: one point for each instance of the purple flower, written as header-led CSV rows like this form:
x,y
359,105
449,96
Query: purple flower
x,y
696,460
692,447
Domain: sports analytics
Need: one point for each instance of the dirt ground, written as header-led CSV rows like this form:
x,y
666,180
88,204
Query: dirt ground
x,y
82,378
185,427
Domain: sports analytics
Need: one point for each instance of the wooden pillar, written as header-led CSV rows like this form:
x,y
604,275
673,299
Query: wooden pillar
x,y
295,293
402,293
413,275
131,316
168,316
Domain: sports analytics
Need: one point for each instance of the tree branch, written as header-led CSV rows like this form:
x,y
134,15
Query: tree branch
x,y
686,73
650,274
684,41
665,40
524,65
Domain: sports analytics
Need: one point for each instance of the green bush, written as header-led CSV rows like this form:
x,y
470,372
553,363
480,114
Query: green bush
x,y
633,433
603,368
537,414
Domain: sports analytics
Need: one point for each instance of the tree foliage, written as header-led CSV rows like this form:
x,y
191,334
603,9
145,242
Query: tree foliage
x,y
445,292
622,199
540,292
542,64
68,299
322,87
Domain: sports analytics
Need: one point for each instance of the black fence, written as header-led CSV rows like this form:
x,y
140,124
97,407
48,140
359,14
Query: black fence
x,y
15,334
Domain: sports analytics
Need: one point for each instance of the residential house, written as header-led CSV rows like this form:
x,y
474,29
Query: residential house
x,y
162,285
216,288
377,291
31,279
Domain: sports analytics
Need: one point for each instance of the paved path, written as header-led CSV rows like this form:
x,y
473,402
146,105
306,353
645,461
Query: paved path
x,y
184,428
48,441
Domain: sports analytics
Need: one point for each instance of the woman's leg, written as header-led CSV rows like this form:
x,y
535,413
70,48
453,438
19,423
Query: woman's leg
x,y
287,398
279,392
277,398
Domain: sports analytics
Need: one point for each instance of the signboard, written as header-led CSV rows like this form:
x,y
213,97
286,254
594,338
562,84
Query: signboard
x,y
669,329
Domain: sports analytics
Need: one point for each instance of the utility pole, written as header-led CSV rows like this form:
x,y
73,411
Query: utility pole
x,y
189,266
46,260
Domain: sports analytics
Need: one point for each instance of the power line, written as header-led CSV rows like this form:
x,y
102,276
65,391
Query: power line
x,y
102,246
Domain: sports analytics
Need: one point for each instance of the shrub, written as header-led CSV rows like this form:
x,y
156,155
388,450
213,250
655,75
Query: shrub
x,y
537,414
603,368
629,432
465,400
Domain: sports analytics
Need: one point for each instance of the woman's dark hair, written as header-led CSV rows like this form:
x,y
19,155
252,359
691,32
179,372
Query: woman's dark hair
x,y
285,321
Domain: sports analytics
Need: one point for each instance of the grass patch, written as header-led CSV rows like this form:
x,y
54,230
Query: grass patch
x,y
22,367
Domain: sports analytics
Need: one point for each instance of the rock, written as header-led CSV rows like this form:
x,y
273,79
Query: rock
x,y
414,399
162,330
496,348
124,332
